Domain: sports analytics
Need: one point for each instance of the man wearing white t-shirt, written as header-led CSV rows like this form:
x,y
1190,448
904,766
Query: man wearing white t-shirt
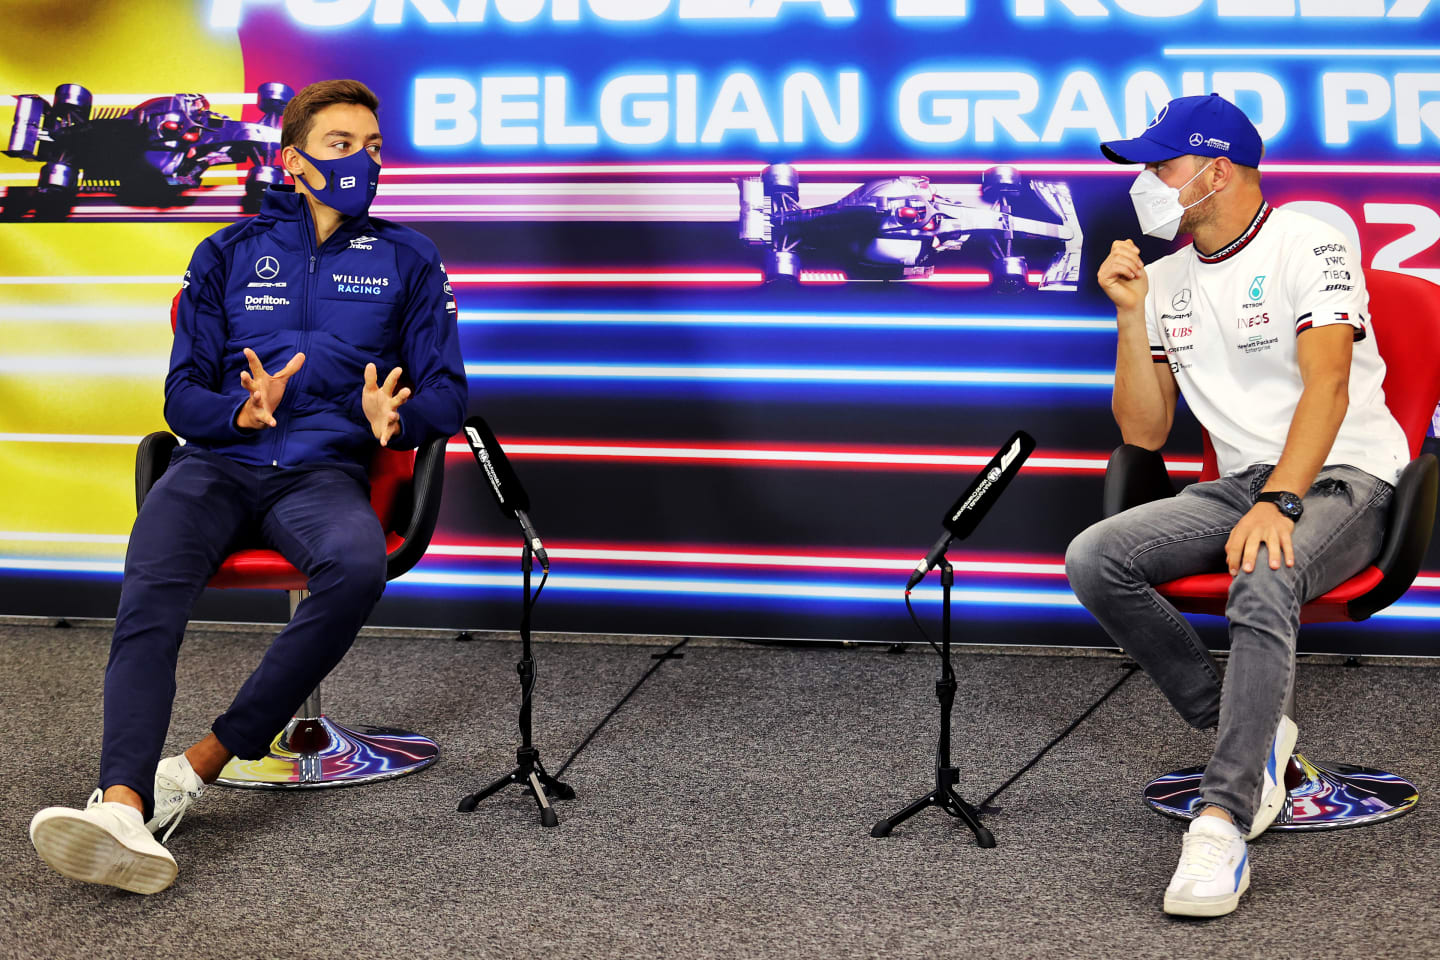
x,y
1263,324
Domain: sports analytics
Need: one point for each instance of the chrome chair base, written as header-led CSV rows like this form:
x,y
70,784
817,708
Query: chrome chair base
x,y
315,752
1323,796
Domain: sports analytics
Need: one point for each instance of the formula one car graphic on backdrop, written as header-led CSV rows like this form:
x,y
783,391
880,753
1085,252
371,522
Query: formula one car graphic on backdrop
x,y
893,228
146,155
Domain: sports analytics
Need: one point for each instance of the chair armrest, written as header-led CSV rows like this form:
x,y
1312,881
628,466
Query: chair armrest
x,y
426,485
1407,535
151,459
1134,476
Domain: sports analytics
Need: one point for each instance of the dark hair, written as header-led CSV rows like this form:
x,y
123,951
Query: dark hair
x,y
300,112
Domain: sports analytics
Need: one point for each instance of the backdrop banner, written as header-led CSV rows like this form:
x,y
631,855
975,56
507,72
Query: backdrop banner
x,y
748,289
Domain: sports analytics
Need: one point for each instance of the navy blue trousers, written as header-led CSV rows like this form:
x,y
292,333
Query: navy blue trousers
x,y
200,510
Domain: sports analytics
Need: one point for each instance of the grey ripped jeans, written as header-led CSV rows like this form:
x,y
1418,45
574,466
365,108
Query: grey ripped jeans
x,y
1113,565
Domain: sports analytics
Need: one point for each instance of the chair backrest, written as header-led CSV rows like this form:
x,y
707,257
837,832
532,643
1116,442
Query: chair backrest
x,y
1405,315
1405,321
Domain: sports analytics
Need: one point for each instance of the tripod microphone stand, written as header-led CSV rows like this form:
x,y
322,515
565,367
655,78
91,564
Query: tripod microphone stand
x,y
944,795
529,772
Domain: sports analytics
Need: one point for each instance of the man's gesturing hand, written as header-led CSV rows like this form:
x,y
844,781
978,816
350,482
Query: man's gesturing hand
x,y
265,391
382,403
1122,276
1263,524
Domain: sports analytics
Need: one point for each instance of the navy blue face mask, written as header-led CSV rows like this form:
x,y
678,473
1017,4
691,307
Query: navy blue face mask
x,y
350,182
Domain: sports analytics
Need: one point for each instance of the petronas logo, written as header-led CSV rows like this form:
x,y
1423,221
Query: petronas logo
x,y
1257,288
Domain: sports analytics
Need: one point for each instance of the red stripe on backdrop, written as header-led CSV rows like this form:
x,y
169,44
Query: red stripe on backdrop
x,y
819,456
749,556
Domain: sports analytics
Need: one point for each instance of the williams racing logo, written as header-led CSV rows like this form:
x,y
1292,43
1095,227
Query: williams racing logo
x,y
349,283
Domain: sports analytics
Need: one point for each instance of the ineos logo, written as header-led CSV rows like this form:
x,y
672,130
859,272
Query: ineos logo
x,y
267,268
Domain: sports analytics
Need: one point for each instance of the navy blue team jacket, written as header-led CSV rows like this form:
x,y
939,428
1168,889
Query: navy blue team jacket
x,y
374,292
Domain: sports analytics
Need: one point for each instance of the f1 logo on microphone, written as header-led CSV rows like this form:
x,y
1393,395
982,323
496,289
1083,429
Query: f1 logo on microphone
x,y
347,183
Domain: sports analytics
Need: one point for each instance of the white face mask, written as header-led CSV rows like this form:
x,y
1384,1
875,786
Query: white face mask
x,y
1157,204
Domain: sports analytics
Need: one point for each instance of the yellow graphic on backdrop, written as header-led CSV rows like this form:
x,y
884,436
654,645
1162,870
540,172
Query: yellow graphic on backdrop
x,y
83,364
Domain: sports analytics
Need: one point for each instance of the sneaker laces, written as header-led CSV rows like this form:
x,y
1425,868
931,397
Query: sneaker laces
x,y
172,820
1201,855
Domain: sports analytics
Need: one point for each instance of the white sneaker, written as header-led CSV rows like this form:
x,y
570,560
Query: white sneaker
x,y
1214,870
177,787
1273,793
104,843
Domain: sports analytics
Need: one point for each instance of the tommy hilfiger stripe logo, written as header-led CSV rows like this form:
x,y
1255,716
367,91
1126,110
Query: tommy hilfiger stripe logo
x,y
1157,354
1240,242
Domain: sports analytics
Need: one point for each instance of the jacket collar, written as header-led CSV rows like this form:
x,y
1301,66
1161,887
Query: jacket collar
x,y
283,202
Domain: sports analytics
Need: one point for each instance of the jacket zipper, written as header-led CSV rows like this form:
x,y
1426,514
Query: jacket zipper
x,y
305,298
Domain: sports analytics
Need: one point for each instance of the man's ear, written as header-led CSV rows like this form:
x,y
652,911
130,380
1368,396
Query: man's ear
x,y
1224,173
290,158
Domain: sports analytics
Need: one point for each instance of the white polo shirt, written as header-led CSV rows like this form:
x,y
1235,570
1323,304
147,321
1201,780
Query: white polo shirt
x,y
1228,323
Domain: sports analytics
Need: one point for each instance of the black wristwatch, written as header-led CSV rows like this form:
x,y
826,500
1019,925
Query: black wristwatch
x,y
1287,502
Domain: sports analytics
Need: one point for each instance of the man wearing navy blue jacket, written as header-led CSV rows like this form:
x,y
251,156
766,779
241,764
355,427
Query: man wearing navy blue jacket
x,y
281,324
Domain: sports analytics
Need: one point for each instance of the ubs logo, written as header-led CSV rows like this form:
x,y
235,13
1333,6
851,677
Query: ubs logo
x,y
1181,300
267,268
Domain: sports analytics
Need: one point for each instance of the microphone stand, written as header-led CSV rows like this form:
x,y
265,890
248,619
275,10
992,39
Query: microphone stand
x,y
946,776
529,772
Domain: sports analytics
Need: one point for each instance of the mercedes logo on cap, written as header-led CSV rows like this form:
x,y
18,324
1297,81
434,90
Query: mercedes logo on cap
x,y
1196,139
267,268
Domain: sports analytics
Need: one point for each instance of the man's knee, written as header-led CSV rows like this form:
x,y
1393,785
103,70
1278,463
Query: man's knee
x,y
354,566
1086,557
1264,598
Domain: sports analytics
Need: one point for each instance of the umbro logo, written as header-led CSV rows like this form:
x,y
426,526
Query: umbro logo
x,y
362,243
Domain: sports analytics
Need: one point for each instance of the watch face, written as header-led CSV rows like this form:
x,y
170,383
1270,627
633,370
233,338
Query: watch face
x,y
1287,503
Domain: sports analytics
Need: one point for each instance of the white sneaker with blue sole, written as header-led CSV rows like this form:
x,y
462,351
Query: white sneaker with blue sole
x,y
1214,870
1274,794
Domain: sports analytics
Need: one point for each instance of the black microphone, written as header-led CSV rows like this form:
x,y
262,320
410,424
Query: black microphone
x,y
967,512
509,494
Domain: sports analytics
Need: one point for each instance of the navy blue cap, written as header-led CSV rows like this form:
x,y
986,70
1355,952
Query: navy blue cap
x,y
1208,126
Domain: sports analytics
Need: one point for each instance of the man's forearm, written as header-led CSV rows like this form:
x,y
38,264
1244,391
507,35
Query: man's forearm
x,y
1138,403
1313,428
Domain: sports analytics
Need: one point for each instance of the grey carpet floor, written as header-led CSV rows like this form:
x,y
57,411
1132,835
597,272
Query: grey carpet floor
x,y
724,812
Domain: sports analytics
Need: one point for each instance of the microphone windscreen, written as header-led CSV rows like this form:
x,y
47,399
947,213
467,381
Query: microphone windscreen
x,y
499,475
976,501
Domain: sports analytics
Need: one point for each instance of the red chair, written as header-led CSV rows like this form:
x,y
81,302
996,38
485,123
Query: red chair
x,y
1405,320
313,750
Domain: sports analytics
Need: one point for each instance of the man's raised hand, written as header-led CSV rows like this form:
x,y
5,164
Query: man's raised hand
x,y
1122,276
265,391
381,403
